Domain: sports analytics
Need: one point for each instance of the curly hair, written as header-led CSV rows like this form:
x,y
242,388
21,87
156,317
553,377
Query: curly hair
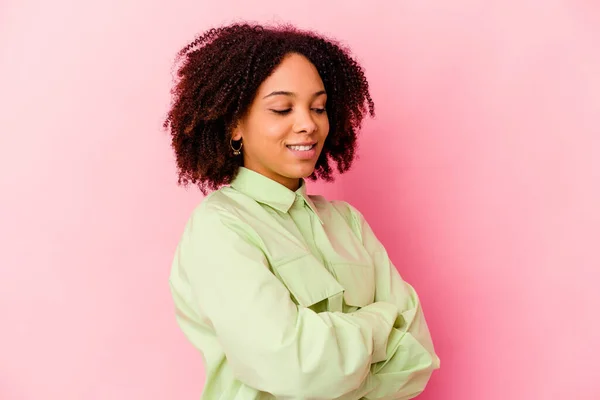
x,y
220,73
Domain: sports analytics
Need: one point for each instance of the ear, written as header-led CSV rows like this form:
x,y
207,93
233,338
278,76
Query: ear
x,y
236,132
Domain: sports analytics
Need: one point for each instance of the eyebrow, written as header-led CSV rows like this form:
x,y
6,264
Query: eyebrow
x,y
292,94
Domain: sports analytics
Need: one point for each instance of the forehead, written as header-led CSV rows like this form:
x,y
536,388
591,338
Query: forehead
x,y
296,74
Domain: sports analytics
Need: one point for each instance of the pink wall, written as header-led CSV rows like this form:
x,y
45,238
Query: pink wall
x,y
481,174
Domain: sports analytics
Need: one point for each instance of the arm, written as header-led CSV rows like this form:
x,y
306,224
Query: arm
x,y
411,356
271,344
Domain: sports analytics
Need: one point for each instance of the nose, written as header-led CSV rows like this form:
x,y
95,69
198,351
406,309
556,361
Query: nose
x,y
304,123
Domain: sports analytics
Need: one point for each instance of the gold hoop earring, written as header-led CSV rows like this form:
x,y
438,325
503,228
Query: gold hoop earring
x,y
236,152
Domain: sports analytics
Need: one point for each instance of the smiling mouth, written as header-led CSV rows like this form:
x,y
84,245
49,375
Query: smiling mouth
x,y
301,147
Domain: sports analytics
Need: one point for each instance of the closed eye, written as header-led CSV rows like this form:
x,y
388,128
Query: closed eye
x,y
282,112
288,110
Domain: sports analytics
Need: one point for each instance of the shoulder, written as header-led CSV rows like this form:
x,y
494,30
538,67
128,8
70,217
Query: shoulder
x,y
222,210
351,214
340,206
223,204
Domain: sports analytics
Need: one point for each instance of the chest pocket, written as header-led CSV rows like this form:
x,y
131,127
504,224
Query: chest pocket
x,y
358,280
309,282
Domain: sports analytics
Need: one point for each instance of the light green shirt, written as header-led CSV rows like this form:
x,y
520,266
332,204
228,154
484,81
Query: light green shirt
x,y
291,296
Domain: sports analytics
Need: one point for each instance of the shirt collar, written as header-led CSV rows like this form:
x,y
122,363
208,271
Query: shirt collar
x,y
267,191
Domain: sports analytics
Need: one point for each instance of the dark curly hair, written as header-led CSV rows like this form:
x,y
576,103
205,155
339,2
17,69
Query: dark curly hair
x,y
218,79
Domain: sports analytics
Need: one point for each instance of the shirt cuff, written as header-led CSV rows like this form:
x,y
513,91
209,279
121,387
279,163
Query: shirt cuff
x,y
385,315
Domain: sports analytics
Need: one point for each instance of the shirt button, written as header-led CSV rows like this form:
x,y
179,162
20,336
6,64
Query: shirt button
x,y
299,201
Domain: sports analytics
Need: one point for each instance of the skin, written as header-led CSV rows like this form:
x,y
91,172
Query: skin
x,y
296,90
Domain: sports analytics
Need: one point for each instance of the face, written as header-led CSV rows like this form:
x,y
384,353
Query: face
x,y
286,125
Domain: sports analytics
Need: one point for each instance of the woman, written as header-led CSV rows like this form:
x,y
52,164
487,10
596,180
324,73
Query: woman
x,y
285,294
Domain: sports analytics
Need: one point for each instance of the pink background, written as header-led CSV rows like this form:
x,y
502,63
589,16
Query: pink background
x,y
481,174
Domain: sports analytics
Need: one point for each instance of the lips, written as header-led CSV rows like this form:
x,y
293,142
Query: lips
x,y
303,151
301,147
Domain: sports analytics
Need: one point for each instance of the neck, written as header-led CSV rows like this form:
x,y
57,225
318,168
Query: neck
x,y
293,184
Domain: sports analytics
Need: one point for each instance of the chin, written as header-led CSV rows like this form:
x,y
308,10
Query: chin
x,y
301,171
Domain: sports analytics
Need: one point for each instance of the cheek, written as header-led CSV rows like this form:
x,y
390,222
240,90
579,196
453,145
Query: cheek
x,y
265,131
275,131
